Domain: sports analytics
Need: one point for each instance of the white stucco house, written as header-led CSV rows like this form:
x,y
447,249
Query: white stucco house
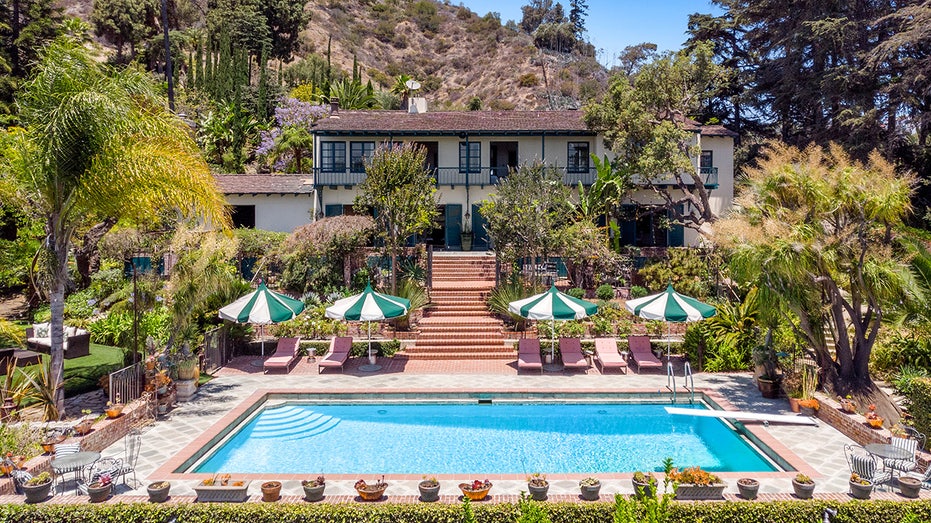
x,y
468,152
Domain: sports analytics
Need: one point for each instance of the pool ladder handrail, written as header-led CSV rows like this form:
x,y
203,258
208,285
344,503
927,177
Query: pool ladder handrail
x,y
688,379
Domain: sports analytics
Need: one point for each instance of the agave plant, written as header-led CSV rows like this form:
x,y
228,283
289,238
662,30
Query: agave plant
x,y
42,388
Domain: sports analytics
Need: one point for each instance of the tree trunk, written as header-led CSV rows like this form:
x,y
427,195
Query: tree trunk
x,y
58,240
87,257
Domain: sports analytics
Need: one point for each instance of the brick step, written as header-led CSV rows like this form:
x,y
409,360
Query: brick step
x,y
439,328
449,295
457,314
484,347
459,323
458,341
483,286
461,356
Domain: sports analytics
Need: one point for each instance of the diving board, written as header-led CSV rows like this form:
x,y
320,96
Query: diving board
x,y
743,415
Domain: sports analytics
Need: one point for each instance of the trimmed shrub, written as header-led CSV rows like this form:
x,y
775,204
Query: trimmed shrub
x,y
638,292
605,292
919,403
576,292
528,80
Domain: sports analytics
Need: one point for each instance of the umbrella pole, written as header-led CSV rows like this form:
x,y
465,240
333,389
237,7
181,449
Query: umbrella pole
x,y
369,367
370,339
262,330
553,343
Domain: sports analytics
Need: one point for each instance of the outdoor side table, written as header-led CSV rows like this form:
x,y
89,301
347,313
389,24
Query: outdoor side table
x,y
73,463
887,451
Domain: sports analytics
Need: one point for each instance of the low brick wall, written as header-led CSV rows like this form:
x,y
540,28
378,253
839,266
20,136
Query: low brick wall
x,y
105,433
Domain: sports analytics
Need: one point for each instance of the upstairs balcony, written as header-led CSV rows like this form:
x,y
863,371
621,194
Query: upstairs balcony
x,y
481,176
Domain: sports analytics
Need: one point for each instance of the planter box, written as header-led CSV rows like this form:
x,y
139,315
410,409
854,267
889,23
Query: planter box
x,y
689,491
223,493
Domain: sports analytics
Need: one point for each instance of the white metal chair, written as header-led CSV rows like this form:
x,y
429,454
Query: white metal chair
x,y
912,442
864,464
103,466
19,477
132,442
62,450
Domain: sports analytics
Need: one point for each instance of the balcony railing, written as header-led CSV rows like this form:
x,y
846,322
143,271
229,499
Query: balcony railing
x,y
480,176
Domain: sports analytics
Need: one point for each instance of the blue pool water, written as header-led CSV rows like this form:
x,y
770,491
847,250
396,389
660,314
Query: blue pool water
x,y
478,439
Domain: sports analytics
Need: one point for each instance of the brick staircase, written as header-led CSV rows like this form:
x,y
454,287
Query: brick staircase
x,y
458,326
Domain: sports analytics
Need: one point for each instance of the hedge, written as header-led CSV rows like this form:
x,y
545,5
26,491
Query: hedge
x,y
918,398
596,512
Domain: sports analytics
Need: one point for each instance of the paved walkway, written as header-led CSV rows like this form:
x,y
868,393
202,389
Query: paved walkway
x,y
821,446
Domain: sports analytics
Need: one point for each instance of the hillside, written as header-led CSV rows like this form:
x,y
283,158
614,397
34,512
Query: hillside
x,y
456,54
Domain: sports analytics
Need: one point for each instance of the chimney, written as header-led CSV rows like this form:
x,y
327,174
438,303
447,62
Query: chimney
x,y
417,105
334,106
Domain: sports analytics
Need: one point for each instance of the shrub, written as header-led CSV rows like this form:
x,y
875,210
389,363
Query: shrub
x,y
528,80
605,292
694,475
501,105
576,292
656,328
687,270
918,401
638,292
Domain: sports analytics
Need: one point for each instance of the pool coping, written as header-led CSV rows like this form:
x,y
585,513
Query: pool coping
x,y
250,403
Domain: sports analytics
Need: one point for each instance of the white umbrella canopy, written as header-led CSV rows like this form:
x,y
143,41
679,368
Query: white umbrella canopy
x,y
553,305
670,306
262,307
368,306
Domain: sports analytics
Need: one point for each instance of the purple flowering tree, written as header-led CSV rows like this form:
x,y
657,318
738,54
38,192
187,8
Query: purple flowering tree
x,y
286,146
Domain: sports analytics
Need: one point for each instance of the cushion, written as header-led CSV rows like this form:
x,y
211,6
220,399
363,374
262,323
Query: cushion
x,y
71,331
41,330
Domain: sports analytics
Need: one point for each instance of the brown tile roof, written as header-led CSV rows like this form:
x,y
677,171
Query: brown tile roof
x,y
475,122
453,122
265,183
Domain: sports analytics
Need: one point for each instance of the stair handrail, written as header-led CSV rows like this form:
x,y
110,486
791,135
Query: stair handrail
x,y
671,380
689,381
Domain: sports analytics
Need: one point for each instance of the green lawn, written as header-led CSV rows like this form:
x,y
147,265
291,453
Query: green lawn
x,y
82,374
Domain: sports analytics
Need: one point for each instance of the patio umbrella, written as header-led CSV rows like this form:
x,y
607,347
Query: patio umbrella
x,y
262,307
552,305
670,306
369,306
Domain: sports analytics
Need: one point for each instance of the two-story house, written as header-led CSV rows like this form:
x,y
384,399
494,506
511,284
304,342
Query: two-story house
x,y
469,152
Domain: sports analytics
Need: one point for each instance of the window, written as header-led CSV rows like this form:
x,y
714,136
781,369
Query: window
x,y
706,161
577,161
359,152
333,156
243,216
470,157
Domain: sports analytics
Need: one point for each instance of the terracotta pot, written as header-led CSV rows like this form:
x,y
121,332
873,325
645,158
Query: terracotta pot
x,y
909,487
876,423
271,491
114,411
793,404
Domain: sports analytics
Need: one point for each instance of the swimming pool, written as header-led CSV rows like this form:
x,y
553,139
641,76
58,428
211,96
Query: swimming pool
x,y
491,438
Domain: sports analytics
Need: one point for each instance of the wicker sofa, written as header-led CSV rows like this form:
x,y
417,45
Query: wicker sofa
x,y
77,341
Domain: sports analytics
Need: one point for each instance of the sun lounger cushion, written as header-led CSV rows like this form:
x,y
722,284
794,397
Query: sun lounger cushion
x,y
572,355
528,354
340,347
641,353
607,355
285,354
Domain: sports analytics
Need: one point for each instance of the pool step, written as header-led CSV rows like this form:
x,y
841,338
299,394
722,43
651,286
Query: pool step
x,y
292,423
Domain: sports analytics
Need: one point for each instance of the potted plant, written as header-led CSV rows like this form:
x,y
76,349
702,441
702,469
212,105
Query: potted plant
x,y
909,487
748,488
803,486
475,491
860,488
466,235
100,490
764,356
809,406
114,409
538,486
158,491
51,439
271,491
695,483
644,485
85,424
186,367
313,488
373,491
874,420
591,488
847,405
37,489
429,489
222,488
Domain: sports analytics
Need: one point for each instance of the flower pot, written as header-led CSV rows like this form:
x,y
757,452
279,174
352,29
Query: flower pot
x,y
84,427
114,411
271,491
37,493
769,387
860,491
848,406
98,492
909,487
748,488
803,490
691,491
643,490
372,493
158,491
162,408
474,494
538,492
313,493
467,238
876,423
793,404
590,492
429,491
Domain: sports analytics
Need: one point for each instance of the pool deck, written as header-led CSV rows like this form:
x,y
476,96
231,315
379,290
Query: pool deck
x,y
819,448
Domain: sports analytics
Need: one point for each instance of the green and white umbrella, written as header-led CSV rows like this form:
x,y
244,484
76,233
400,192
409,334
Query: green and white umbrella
x,y
670,306
262,307
553,305
368,306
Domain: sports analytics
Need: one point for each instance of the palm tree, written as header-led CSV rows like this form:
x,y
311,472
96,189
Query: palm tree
x,y
98,143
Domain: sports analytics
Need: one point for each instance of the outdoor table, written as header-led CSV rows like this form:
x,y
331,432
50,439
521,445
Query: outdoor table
x,y
887,451
74,463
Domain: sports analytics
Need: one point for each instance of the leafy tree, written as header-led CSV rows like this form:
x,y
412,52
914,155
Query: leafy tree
x,y
336,246
125,22
644,121
96,144
30,25
402,192
526,212
225,134
578,10
353,95
634,56
255,25
287,145
534,14
815,233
